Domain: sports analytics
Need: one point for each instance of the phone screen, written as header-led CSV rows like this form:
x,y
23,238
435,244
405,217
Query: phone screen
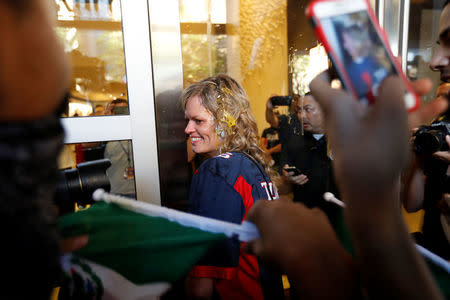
x,y
359,48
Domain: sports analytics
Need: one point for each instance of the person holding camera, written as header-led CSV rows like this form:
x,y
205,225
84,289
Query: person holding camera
x,y
287,125
270,143
386,264
426,182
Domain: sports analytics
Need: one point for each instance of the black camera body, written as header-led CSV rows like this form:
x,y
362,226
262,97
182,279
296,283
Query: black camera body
x,y
281,100
429,139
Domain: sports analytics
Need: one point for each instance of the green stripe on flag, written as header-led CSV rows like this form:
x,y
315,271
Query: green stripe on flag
x,y
141,248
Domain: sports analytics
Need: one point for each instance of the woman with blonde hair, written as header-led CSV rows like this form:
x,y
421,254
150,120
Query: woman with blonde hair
x,y
221,127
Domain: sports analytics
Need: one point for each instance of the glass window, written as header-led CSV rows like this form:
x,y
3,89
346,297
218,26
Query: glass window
x,y
244,39
92,35
422,37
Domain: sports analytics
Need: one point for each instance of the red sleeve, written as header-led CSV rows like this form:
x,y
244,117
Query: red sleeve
x,y
214,272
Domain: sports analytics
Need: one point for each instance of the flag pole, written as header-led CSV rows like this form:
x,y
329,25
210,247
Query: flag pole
x,y
245,232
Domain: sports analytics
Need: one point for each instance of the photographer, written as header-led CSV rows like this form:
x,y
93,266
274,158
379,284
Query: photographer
x,y
386,265
426,181
287,125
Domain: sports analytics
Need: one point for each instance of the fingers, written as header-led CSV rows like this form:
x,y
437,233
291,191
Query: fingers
x,y
328,97
320,88
339,107
255,213
74,243
444,155
422,86
300,179
427,112
390,102
446,197
254,247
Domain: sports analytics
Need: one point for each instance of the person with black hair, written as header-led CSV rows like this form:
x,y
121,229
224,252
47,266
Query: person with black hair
x,y
386,264
430,193
310,154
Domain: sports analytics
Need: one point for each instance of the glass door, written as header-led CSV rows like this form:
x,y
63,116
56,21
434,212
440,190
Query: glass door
x,y
111,105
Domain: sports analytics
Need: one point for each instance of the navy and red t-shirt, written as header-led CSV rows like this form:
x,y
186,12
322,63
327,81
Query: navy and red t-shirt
x,y
225,188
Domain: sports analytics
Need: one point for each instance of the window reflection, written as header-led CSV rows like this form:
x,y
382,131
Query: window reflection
x,y
204,38
92,35
422,36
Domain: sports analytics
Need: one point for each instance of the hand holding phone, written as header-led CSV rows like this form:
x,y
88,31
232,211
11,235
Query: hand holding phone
x,y
357,47
290,169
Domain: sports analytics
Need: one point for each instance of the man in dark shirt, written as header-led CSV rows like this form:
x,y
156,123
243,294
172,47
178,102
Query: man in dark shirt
x,y
426,179
309,153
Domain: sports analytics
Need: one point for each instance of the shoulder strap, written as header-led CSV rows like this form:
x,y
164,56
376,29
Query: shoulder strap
x,y
260,170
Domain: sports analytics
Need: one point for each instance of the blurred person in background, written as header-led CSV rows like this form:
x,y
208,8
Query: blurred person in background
x,y
34,77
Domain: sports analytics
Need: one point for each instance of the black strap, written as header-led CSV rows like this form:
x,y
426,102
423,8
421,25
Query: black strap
x,y
261,171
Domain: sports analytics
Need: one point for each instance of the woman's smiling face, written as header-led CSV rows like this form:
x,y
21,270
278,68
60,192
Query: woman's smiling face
x,y
201,128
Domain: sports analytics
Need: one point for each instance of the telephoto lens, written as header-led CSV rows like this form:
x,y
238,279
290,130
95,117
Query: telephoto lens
x,y
75,186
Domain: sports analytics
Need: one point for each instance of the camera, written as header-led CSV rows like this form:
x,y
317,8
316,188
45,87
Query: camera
x,y
429,139
281,100
75,186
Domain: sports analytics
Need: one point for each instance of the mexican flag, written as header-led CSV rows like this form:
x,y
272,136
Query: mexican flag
x,y
136,250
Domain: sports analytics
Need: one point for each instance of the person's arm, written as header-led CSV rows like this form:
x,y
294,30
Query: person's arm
x,y
370,149
199,288
271,117
413,180
311,256
413,186
275,149
263,143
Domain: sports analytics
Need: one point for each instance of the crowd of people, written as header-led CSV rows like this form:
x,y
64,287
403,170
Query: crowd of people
x,y
358,153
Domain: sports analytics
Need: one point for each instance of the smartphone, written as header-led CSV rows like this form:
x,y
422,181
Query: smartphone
x,y
292,169
357,47
281,100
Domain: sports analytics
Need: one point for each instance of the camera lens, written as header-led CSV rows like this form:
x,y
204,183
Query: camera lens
x,y
427,143
77,185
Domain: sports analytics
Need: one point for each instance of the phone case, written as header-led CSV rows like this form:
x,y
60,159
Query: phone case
x,y
412,101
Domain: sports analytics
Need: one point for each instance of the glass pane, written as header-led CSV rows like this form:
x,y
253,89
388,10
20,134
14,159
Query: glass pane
x,y
197,47
422,36
92,35
251,41
88,166
392,24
